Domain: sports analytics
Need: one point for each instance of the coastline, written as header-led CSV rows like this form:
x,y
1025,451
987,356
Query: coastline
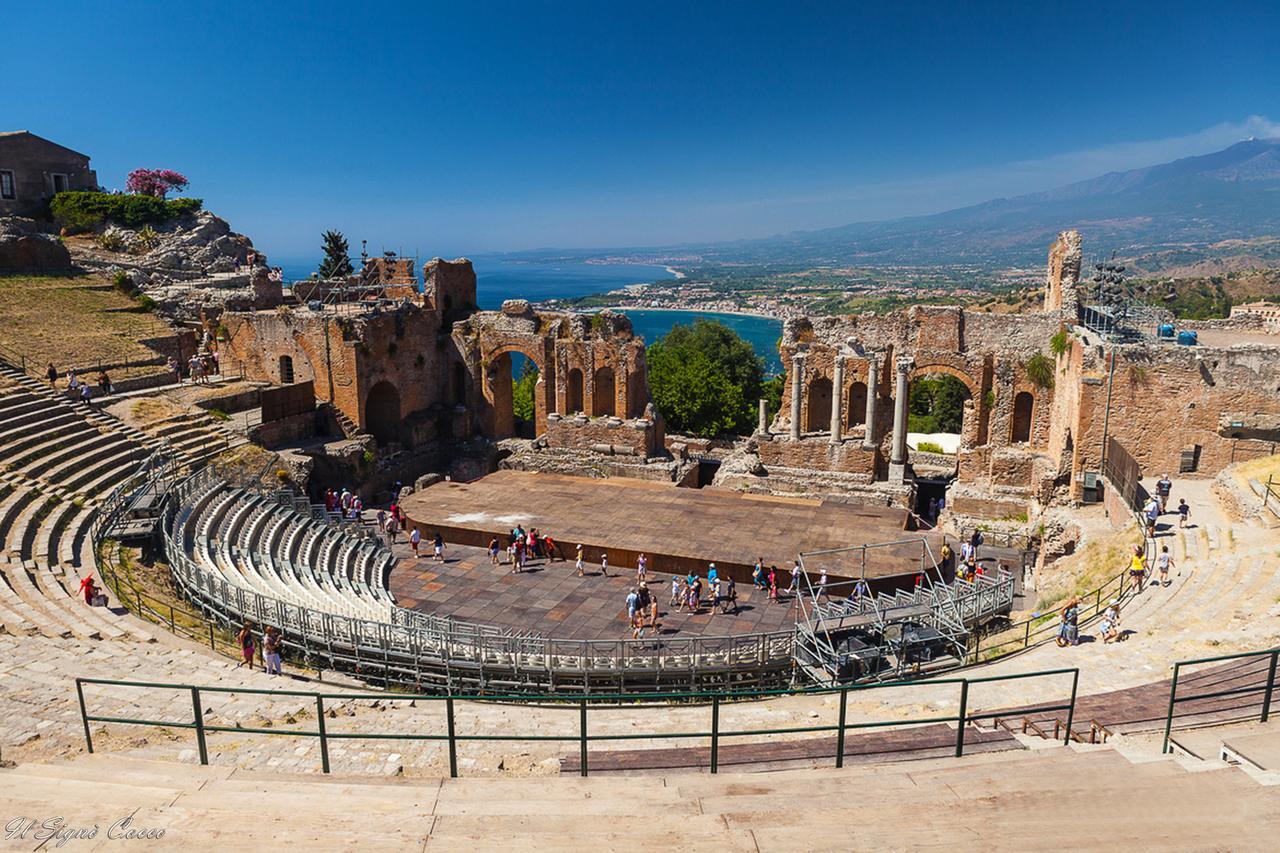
x,y
625,308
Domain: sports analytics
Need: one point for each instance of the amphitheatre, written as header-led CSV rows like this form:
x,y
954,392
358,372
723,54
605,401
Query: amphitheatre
x,y
458,703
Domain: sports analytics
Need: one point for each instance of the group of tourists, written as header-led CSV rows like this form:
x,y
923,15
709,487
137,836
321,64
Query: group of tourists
x,y
199,367
348,505
767,580
641,604
272,646
79,388
687,592
525,545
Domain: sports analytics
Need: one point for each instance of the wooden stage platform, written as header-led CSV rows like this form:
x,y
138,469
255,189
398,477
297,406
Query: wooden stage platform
x,y
679,529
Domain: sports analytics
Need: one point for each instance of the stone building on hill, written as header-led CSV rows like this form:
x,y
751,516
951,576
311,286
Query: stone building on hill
x,y
33,169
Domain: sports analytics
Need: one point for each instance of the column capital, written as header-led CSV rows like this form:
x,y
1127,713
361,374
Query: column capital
x,y
799,356
904,363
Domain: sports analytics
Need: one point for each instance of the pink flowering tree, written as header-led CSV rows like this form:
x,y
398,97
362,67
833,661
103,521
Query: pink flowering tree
x,y
155,182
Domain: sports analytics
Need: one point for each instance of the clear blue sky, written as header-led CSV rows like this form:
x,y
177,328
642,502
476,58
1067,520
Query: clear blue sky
x,y
452,128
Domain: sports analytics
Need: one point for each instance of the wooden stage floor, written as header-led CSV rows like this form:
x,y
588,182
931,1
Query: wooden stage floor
x,y
680,529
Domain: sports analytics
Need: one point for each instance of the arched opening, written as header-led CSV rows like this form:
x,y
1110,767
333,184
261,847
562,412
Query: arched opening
x,y
459,389
286,370
935,423
382,413
819,416
1023,406
573,397
602,400
857,404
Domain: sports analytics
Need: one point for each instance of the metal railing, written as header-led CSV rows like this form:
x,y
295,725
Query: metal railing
x,y
1259,680
582,705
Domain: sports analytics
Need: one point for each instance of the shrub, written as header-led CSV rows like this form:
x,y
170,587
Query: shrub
x,y
219,415
930,447
124,284
146,240
155,182
112,239
1040,370
146,303
368,457
1060,343
73,209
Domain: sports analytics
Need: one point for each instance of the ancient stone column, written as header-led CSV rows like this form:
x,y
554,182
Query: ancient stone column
x,y
763,428
837,400
873,391
797,389
899,451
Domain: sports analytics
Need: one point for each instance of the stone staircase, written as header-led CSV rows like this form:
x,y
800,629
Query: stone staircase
x,y
1038,800
194,437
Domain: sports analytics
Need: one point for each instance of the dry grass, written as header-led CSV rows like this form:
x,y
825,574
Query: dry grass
x,y
73,321
149,410
1098,562
1256,469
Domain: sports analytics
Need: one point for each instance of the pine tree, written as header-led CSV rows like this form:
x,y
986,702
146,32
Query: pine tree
x,y
336,263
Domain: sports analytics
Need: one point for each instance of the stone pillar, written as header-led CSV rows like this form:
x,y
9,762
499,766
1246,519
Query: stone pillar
x,y
763,427
873,391
898,457
797,389
837,400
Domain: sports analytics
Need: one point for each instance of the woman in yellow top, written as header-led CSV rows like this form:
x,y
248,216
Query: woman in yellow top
x,y
1137,568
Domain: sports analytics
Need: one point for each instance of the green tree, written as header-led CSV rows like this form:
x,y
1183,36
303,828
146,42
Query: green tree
x,y
522,391
705,379
936,404
772,390
336,263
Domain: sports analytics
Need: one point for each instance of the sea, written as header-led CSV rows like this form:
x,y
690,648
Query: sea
x,y
499,278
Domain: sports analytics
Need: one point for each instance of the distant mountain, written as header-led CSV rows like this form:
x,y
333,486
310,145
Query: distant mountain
x,y
1184,207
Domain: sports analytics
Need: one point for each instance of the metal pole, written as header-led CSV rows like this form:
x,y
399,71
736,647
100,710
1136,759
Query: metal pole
x,y
211,645
582,734
1106,415
1271,681
453,741
324,736
1168,720
1071,710
844,707
964,711
199,715
715,733
84,716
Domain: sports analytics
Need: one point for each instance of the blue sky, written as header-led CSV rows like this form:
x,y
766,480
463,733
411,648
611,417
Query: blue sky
x,y
455,128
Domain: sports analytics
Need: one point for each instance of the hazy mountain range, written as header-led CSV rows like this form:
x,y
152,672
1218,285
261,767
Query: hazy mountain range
x,y
1181,208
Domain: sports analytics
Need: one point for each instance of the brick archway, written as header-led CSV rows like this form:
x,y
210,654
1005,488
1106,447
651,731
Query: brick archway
x,y
931,369
498,383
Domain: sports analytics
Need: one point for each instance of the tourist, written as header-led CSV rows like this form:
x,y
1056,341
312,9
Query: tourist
x,y
344,500
330,500
947,558
1152,513
1068,629
822,586
1137,569
643,600
633,604
773,583
675,591
531,542
245,640
730,597
271,644
415,538
1163,487
1110,626
794,589
933,510
757,574
171,365
712,574
393,527
493,551
437,547
714,584
695,594
89,588
73,384
52,375
580,564
642,566
604,563
653,611
396,513
974,542
381,518
966,554
357,508
1163,563
637,626
104,383
1184,512
550,548
86,392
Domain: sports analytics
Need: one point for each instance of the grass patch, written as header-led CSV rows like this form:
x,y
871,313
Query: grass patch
x,y
930,447
1256,469
219,415
74,321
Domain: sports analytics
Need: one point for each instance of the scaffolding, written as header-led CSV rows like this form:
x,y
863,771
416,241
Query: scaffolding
x,y
845,632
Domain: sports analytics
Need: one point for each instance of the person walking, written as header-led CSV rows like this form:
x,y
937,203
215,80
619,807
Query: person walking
x,y
52,375
580,564
604,563
89,589
437,547
642,567
271,644
714,584
494,550
415,539
730,597
794,589
393,527
1163,562
1163,487
773,583
1137,569
675,591
757,574
633,604
245,640
1184,512
822,586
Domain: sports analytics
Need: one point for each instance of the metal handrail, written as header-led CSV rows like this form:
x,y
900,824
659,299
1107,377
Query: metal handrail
x,y
962,718
1267,688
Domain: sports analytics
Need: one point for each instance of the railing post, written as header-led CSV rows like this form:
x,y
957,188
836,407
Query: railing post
x,y
324,735
582,736
453,740
212,647
964,712
1071,709
1271,682
715,733
1026,640
199,715
84,716
844,709
1168,720
172,630
139,594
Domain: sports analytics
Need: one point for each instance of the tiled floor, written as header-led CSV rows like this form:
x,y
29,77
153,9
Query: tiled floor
x,y
552,600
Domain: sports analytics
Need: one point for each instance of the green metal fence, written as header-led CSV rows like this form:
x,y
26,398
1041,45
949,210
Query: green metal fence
x,y
582,704
1254,683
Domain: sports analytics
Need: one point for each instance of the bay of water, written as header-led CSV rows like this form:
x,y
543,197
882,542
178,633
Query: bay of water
x,y
498,279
